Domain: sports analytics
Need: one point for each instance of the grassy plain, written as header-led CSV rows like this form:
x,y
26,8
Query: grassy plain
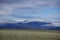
x,y
12,34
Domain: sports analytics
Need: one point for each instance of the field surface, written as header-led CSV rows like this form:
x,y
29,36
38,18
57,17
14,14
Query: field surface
x,y
9,34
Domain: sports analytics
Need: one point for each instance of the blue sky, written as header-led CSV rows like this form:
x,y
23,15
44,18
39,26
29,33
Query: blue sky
x,y
30,9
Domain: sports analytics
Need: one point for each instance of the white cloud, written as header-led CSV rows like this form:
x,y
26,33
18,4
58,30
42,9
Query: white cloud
x,y
36,3
8,8
30,3
56,23
54,16
5,10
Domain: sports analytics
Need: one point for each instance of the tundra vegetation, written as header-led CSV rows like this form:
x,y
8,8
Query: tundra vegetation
x,y
13,34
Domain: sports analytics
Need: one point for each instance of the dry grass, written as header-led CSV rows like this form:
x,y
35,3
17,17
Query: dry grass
x,y
29,35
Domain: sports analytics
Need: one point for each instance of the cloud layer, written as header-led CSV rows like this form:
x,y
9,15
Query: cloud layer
x,y
5,10
31,9
8,5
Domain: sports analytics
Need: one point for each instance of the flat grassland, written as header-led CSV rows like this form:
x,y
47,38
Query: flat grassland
x,y
10,34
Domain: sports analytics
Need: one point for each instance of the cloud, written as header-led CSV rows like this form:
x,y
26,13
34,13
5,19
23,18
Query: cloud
x,y
5,10
34,4
54,16
27,3
21,4
56,23
11,1
9,5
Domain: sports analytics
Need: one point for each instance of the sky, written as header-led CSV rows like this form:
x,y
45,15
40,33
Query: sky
x,y
30,9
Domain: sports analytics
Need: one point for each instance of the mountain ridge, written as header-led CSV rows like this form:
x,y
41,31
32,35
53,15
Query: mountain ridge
x,y
29,25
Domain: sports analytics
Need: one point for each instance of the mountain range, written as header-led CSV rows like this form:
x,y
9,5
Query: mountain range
x,y
27,24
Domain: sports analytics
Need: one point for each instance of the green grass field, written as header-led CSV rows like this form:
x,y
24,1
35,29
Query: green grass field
x,y
29,34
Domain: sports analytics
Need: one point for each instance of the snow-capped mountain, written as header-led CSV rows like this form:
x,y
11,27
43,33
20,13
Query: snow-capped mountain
x,y
28,24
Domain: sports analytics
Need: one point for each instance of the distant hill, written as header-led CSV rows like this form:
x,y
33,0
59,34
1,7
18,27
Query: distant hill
x,y
29,25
